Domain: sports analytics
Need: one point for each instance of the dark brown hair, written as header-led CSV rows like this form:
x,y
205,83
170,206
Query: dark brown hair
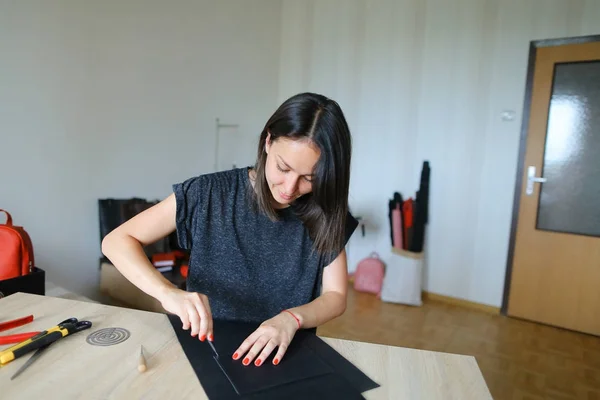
x,y
324,210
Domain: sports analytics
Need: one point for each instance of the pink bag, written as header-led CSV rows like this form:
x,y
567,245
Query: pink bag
x,y
369,275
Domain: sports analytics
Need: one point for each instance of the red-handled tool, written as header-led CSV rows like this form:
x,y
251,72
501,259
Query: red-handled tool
x,y
15,323
17,337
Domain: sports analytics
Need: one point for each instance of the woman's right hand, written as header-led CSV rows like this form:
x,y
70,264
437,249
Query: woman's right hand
x,y
124,248
192,308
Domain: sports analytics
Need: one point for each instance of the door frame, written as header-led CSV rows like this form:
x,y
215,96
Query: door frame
x,y
534,45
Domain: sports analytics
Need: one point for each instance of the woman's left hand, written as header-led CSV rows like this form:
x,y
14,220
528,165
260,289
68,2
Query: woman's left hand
x,y
275,332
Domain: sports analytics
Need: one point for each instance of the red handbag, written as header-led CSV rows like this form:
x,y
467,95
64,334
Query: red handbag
x,y
16,250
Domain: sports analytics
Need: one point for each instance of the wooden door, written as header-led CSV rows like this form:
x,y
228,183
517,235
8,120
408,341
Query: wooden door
x,y
553,273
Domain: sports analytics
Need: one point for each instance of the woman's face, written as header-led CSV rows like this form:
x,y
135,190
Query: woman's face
x,y
289,168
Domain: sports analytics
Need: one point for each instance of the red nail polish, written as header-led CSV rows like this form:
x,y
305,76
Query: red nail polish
x,y
235,356
203,337
275,361
246,361
210,337
257,362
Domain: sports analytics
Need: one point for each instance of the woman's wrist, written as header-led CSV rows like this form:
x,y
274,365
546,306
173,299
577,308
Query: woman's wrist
x,y
296,316
162,290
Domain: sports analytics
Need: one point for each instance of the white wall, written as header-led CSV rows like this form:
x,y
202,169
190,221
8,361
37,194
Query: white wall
x,y
119,98
428,80
116,99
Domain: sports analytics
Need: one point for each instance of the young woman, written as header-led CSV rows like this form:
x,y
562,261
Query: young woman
x,y
266,243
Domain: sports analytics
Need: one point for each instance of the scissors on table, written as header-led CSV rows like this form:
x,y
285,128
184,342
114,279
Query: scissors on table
x,y
41,342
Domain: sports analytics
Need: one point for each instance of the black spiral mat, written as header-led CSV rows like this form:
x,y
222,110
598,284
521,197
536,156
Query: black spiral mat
x,y
108,336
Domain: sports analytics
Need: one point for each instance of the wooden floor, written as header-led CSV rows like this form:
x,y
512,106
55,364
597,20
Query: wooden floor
x,y
518,359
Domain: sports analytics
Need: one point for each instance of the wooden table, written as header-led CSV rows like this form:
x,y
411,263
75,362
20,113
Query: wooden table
x,y
53,290
81,371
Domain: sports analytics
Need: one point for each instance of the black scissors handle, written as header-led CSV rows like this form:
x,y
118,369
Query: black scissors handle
x,y
83,325
77,326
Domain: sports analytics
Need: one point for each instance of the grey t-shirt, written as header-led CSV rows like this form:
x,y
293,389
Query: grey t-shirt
x,y
250,267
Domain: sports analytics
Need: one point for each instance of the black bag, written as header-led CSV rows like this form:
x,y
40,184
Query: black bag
x,y
33,283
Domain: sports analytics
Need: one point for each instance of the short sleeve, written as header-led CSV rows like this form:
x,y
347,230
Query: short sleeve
x,y
351,225
188,197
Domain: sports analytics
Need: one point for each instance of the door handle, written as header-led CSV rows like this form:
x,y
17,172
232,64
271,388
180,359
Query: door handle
x,y
531,179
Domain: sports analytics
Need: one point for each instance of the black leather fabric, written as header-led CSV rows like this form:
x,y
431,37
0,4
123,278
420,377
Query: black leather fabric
x,y
310,368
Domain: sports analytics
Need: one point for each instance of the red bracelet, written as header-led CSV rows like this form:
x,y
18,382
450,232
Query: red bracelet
x,y
296,318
